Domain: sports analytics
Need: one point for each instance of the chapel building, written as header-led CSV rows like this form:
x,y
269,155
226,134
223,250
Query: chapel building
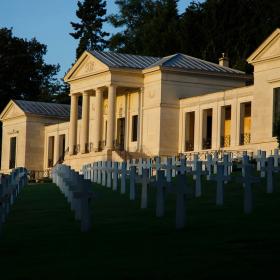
x,y
132,106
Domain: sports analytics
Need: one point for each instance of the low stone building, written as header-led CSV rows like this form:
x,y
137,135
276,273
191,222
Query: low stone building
x,y
25,124
147,106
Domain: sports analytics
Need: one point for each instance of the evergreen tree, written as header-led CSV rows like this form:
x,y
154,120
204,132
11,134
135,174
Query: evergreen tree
x,y
130,19
23,72
160,35
89,31
149,27
205,30
192,32
235,27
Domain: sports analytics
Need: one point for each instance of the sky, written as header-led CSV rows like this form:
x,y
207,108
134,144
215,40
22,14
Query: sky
x,y
49,21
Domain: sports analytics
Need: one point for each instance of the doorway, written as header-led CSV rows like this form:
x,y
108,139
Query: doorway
x,y
13,151
61,148
207,129
51,151
120,133
189,131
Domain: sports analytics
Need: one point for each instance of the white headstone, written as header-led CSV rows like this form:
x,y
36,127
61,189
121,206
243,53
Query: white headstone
x,y
123,177
115,175
198,173
220,178
109,173
248,180
276,157
132,179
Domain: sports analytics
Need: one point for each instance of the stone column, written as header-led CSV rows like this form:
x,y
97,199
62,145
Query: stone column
x,y
97,118
73,123
127,116
111,116
220,125
85,122
233,124
197,129
215,127
199,126
140,118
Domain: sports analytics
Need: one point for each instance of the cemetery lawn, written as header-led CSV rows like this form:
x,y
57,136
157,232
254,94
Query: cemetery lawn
x,y
41,239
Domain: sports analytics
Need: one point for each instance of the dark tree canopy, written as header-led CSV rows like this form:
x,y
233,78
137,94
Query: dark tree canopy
x,y
148,27
89,31
205,30
235,27
23,72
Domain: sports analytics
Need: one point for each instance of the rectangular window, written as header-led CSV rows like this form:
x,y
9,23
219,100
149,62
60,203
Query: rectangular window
x,y
134,128
276,108
245,123
225,126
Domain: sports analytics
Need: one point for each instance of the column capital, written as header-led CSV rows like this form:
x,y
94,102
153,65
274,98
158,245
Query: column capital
x,y
99,88
87,92
75,93
111,86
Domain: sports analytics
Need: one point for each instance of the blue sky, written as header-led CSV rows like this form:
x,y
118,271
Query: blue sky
x,y
49,22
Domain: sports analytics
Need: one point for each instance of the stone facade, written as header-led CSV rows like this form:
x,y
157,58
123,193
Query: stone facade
x,y
159,109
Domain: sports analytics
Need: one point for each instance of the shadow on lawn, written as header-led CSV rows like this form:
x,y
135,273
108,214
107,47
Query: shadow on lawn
x,y
41,239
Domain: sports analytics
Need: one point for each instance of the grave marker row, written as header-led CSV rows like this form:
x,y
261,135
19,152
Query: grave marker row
x,y
159,172
10,187
77,191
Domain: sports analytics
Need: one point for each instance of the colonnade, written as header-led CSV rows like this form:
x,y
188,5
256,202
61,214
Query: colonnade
x,y
73,128
217,126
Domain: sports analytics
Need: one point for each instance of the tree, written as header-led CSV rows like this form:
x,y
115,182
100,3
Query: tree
x,y
130,19
205,30
62,95
160,34
235,27
89,31
23,72
192,32
148,27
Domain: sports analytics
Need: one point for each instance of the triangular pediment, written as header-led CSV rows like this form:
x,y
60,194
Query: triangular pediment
x,y
11,111
269,49
86,65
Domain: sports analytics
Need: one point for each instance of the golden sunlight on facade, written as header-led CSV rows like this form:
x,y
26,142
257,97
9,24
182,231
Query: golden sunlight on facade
x,y
134,106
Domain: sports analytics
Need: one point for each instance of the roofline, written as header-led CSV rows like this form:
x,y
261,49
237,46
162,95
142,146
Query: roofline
x,y
266,42
87,75
45,116
197,72
109,70
247,89
7,107
151,68
77,64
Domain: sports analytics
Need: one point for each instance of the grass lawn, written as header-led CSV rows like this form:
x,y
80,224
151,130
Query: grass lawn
x,y
41,239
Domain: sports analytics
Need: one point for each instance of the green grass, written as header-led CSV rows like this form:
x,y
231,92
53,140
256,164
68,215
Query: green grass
x,y
41,239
